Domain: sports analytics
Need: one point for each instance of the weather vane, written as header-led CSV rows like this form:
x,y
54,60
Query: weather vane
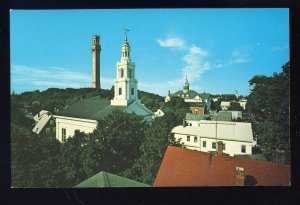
x,y
125,31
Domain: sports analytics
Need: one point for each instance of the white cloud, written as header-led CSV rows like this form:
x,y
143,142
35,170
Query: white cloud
x,y
43,78
174,42
194,60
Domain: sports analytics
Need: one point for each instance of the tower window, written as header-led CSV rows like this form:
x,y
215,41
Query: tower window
x,y
129,74
120,91
132,91
122,73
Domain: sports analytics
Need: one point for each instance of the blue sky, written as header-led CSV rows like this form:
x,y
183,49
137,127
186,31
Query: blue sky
x,y
219,50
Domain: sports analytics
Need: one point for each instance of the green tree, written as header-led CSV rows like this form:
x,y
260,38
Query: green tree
x,y
268,105
235,106
114,145
70,163
157,137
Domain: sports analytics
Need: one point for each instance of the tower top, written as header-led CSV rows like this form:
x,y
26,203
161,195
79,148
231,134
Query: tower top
x,y
125,33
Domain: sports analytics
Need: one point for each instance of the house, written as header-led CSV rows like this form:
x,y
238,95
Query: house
x,y
225,105
197,108
236,137
243,103
158,113
105,179
183,167
44,123
83,115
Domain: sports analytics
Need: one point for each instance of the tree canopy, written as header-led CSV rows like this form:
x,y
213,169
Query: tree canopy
x,y
269,106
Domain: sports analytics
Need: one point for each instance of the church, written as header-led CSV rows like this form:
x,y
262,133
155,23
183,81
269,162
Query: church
x,y
83,115
199,103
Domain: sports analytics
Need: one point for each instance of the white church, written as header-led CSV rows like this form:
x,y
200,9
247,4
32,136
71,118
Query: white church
x,y
83,115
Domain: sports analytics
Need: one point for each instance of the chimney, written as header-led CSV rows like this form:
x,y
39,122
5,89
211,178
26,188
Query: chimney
x,y
183,122
220,148
239,176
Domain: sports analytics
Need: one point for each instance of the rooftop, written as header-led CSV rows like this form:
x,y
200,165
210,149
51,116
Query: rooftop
x,y
183,167
93,108
235,131
105,179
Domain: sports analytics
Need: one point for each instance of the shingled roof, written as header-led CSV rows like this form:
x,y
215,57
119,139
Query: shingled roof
x,y
183,167
93,108
105,179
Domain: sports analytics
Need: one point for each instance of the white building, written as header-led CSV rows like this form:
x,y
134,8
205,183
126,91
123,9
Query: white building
x,y
158,113
236,137
44,123
243,103
225,105
84,114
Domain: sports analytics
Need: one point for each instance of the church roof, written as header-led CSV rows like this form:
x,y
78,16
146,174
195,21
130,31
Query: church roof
x,y
105,179
204,95
191,93
93,108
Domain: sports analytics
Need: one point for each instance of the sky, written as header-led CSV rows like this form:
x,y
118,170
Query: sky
x,y
219,50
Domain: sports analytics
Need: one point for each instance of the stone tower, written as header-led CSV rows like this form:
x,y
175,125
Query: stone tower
x,y
125,83
96,49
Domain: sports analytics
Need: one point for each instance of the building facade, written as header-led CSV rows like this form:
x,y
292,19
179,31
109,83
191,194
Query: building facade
x,y
236,137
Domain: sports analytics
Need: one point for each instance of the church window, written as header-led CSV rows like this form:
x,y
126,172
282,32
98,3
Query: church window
x,y
63,134
120,91
132,91
122,73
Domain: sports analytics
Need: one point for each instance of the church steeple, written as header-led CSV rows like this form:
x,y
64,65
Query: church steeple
x,y
186,86
125,82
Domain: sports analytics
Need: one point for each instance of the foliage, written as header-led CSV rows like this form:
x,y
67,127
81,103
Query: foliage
x,y
114,145
157,138
235,106
150,100
177,106
268,105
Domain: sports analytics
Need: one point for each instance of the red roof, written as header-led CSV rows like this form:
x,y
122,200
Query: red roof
x,y
183,167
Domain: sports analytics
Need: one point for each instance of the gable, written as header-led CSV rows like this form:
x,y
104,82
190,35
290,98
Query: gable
x,y
139,109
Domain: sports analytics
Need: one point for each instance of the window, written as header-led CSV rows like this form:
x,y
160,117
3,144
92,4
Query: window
x,y
122,73
63,134
190,124
243,149
129,74
213,145
120,91
223,146
132,91
196,139
188,138
204,144
196,111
